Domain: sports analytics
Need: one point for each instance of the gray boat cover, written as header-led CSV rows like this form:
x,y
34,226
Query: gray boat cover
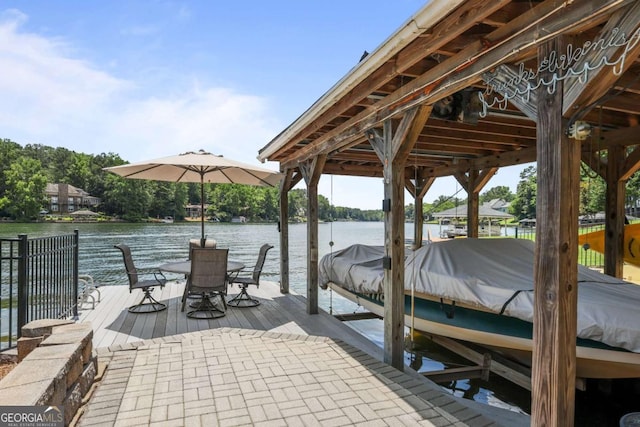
x,y
496,274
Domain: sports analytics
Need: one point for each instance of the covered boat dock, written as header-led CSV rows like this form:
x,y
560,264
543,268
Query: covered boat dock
x,y
464,88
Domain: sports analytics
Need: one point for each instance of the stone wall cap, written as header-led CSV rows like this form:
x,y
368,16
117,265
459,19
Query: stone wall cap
x,y
62,351
80,333
42,327
36,376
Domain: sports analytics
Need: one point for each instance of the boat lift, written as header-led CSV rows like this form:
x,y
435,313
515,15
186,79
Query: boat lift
x,y
484,359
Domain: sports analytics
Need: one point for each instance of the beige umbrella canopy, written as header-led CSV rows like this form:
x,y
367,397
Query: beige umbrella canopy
x,y
199,167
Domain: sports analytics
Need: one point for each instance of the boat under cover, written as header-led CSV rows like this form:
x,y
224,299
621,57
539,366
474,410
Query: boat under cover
x,y
494,275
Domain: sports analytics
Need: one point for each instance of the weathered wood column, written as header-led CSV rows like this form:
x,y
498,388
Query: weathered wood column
x,y
619,166
473,204
418,189
311,171
555,265
286,185
393,149
614,213
473,182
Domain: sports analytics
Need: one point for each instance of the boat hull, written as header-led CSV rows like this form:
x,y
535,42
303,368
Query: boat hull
x,y
510,336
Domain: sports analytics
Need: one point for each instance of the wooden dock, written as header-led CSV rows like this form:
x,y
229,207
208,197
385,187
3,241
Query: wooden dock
x,y
116,329
113,324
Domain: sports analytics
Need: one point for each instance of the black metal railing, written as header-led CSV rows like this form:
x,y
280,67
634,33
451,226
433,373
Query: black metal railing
x,y
39,281
586,256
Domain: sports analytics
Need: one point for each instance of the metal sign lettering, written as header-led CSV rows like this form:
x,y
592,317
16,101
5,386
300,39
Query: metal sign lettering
x,y
570,64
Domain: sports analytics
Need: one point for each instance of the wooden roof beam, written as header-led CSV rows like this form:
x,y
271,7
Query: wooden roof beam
x,y
622,103
525,155
468,65
463,18
489,129
631,164
473,149
577,95
624,136
480,180
473,138
353,170
504,43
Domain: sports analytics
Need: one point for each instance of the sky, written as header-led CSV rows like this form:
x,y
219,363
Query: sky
x,y
150,78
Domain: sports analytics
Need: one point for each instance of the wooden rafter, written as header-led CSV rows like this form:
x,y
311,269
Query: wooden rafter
x,y
460,71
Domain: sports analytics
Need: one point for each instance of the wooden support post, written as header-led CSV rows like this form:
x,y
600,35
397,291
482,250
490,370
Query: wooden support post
x,y
311,171
473,205
555,265
418,223
285,186
394,253
393,149
473,182
418,189
614,211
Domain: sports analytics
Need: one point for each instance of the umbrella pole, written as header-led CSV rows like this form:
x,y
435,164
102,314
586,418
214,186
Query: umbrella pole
x,y
202,238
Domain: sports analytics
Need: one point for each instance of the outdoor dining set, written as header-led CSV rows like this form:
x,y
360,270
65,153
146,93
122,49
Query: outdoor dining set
x,y
209,273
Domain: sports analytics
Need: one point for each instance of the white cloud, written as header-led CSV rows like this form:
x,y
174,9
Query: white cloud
x,y
51,98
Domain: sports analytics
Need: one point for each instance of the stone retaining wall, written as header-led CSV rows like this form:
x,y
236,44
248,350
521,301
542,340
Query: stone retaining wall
x,y
56,366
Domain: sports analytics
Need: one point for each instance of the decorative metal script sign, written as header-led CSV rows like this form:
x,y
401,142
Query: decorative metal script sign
x,y
573,63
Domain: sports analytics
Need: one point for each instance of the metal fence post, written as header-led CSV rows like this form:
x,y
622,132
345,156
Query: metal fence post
x,y
23,279
76,250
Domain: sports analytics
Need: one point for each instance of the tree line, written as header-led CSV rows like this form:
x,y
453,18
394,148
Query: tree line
x,y
25,172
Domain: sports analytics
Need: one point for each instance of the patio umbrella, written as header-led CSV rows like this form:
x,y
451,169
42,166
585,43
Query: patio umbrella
x,y
199,167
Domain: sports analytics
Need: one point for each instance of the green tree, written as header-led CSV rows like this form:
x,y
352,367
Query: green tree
x,y
324,208
9,154
524,204
24,193
409,212
633,192
128,198
230,200
169,198
297,203
270,204
79,171
442,203
593,191
502,192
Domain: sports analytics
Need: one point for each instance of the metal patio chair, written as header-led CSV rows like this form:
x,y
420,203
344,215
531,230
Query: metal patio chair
x,y
197,243
148,304
243,299
208,279
86,288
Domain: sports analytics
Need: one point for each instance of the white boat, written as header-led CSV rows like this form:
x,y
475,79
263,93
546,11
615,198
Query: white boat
x,y
167,220
460,230
481,291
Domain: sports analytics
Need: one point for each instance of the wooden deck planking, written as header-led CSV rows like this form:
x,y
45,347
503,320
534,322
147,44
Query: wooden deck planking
x,y
113,324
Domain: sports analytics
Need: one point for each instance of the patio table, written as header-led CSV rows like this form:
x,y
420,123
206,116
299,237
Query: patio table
x,y
184,267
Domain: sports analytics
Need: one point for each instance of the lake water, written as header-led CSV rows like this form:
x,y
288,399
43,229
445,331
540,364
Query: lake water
x,y
154,244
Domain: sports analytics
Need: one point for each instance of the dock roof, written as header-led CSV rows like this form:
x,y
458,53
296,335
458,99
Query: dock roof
x,y
447,54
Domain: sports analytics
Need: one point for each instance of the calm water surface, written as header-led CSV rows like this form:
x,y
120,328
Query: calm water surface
x,y
154,244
